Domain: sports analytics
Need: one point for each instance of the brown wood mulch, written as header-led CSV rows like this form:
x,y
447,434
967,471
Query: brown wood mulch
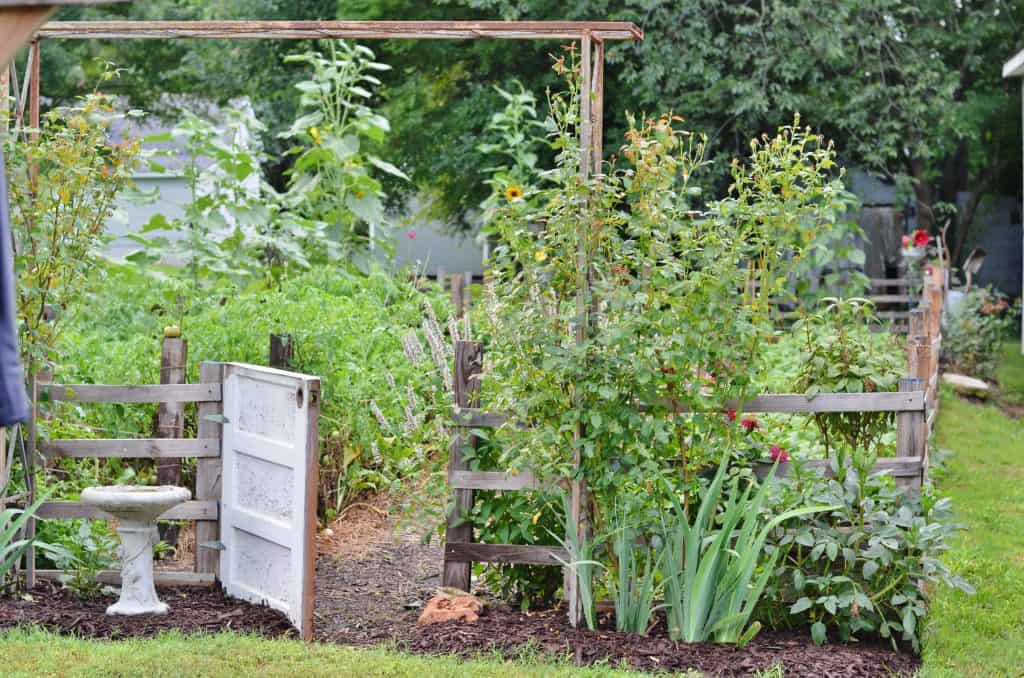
x,y
510,631
193,609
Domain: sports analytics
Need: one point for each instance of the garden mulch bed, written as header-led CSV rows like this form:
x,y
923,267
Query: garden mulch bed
x,y
193,609
511,632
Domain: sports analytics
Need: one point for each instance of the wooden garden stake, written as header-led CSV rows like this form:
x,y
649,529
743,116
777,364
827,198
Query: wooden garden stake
x,y
458,282
170,422
459,528
282,351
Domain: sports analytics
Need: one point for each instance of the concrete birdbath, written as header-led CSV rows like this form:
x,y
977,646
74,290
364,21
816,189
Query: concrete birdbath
x,y
136,507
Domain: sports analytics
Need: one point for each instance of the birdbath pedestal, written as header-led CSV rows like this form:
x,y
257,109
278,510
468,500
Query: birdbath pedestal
x,y
136,507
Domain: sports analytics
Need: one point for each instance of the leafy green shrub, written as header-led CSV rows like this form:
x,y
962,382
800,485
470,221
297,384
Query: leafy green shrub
x,y
64,185
12,521
974,330
86,549
865,567
843,355
715,564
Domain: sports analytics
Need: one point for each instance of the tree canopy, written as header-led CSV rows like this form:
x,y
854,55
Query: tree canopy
x,y
909,90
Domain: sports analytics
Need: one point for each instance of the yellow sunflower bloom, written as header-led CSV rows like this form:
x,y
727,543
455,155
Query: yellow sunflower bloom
x,y
315,134
514,193
541,256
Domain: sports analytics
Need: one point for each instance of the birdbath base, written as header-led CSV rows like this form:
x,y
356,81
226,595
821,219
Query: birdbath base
x,y
137,508
138,591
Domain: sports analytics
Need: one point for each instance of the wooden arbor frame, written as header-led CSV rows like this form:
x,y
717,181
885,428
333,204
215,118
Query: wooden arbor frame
x,y
591,35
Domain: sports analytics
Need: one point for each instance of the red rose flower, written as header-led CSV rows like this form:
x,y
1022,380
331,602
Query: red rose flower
x,y
731,415
778,454
921,238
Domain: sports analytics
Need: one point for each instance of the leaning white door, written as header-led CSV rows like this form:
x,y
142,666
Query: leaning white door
x,y
268,505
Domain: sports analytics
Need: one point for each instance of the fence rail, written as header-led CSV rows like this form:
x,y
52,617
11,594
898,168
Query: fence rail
x,y
204,509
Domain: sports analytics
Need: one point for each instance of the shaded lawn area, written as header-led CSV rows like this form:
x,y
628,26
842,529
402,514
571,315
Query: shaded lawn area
x,y
32,654
983,635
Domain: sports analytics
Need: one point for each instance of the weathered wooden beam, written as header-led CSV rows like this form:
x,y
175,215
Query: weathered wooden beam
x,y
493,480
505,553
123,448
160,577
153,393
897,467
355,30
891,298
890,282
783,403
189,510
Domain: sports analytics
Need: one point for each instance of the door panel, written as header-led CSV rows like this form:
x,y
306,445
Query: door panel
x,y
268,507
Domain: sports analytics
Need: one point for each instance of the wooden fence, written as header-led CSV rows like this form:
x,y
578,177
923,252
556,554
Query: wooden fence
x,y
204,508
915,406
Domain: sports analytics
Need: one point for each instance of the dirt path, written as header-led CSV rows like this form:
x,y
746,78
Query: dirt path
x,y
373,575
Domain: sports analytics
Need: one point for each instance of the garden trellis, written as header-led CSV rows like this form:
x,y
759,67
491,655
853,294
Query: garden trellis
x,y
591,37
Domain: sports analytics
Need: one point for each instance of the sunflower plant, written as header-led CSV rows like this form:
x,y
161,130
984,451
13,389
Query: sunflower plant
x,y
618,305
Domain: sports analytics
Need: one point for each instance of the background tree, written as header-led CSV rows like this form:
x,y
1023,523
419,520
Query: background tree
x,y
911,91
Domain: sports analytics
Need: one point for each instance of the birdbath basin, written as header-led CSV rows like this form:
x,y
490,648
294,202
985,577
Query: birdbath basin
x,y
136,507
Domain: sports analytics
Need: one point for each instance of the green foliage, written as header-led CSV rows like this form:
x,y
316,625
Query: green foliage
x,y
12,522
235,224
981,634
29,653
514,143
974,330
842,356
63,183
333,178
716,569
631,589
865,566
85,552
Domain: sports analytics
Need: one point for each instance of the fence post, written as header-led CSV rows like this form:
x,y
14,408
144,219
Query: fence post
x,y
208,472
457,281
440,279
459,529
170,421
282,350
910,440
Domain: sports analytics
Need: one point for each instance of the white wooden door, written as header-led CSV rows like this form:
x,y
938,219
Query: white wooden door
x,y
268,505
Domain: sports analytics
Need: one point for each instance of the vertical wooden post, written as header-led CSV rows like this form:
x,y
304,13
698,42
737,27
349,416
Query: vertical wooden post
x,y
917,325
440,279
910,440
597,106
170,421
5,95
33,88
208,474
459,529
30,480
458,282
282,350
578,490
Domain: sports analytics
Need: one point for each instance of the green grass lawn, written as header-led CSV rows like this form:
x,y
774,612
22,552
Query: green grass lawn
x,y
32,654
983,634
